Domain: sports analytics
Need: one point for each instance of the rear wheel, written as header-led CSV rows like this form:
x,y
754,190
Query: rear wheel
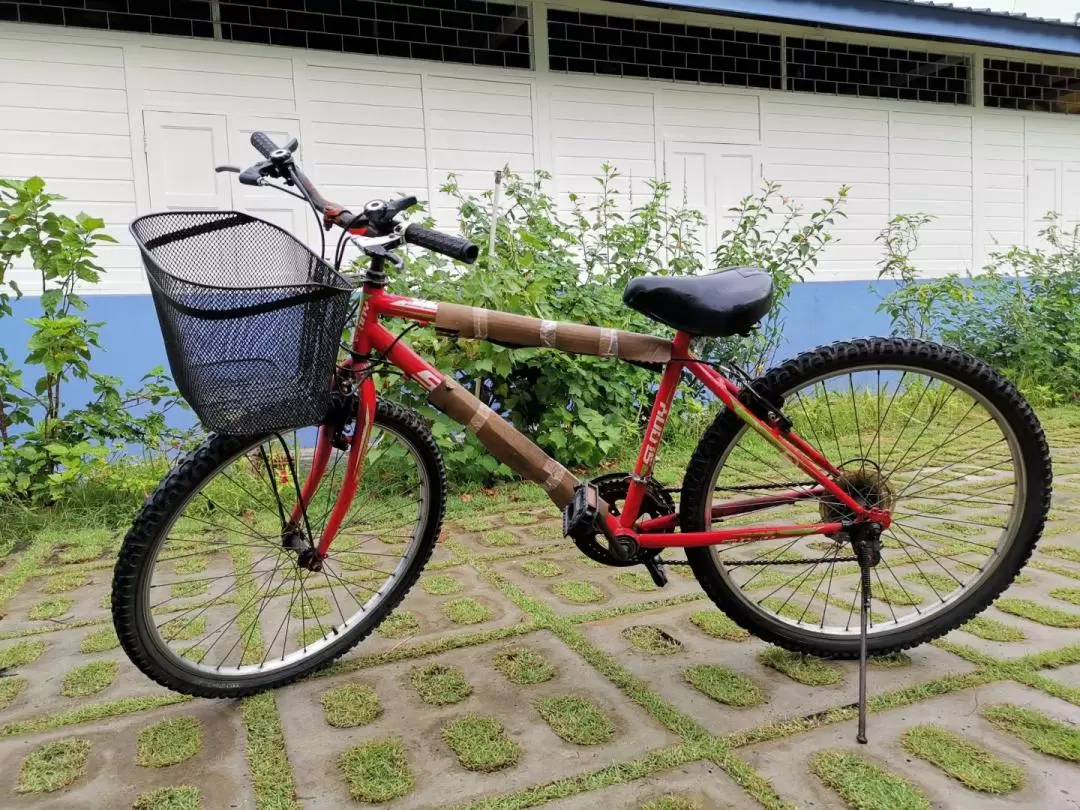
x,y
926,431
212,598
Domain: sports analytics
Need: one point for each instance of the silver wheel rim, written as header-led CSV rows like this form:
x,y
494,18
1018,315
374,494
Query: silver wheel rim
x,y
345,617
895,617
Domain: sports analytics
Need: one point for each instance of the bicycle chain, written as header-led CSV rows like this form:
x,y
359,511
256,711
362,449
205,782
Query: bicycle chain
x,y
734,563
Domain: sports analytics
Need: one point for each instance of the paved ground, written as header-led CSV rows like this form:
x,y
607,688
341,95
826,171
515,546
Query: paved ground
x,y
666,738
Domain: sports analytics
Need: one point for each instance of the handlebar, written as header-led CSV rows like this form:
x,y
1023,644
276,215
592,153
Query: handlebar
x,y
455,247
378,216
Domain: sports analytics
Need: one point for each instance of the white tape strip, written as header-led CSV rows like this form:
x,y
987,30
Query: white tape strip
x,y
547,333
483,413
609,343
555,474
480,322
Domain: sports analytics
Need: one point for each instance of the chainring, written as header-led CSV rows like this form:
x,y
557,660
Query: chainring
x,y
613,488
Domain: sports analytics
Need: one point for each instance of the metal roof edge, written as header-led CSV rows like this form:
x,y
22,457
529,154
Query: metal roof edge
x,y
903,18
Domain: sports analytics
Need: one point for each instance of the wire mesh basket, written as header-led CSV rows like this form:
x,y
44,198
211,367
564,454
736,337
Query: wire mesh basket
x,y
251,318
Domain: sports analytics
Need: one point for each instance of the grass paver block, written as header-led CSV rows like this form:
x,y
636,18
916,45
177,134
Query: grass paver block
x,y
576,719
377,771
53,766
481,743
961,759
350,705
863,785
169,742
723,685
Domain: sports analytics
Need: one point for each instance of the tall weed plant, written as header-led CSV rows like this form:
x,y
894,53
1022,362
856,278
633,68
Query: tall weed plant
x,y
1020,313
49,445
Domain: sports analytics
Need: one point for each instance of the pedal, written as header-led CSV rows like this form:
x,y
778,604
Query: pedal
x,y
580,516
655,567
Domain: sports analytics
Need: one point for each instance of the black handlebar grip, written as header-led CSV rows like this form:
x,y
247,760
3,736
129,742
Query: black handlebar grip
x,y
456,247
262,142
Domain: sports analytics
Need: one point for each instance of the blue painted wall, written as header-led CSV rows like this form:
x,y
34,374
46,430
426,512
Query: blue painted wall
x,y
817,312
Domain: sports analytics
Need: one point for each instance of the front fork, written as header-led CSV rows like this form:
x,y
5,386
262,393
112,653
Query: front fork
x,y
365,419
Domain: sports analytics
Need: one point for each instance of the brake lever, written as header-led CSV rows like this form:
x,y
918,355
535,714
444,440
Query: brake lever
x,y
254,175
233,169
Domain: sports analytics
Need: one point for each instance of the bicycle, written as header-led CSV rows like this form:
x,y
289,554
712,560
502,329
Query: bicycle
x,y
254,564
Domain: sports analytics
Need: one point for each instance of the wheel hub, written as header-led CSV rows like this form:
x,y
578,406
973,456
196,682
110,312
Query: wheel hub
x,y
307,556
863,482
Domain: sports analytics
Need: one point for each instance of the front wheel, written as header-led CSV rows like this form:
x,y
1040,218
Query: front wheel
x,y
212,598
935,436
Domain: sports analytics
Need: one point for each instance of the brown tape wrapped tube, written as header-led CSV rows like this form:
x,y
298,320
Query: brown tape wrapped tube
x,y
504,442
521,330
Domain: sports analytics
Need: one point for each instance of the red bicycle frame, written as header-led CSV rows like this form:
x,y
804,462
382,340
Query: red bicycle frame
x,y
372,338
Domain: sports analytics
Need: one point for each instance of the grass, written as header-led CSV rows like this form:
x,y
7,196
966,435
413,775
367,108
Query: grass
x,y
51,608
100,641
476,524
480,743
894,660
309,608
548,531
1050,616
399,624
579,592
441,584
671,802
964,761
20,654
723,685
500,538
53,766
377,771
183,628
895,595
10,688
268,763
67,581
1062,552
89,679
523,666
350,705
651,639
863,785
195,564
309,635
466,610
519,518
939,583
1044,734
440,684
636,581
184,797
789,610
576,719
716,624
1070,595
194,587
804,669
90,712
992,629
169,742
543,569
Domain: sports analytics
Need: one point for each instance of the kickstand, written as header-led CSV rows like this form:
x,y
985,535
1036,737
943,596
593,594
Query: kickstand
x,y
864,613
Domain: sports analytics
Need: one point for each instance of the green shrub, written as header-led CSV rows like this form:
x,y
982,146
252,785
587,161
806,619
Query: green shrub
x,y
58,445
1020,313
574,267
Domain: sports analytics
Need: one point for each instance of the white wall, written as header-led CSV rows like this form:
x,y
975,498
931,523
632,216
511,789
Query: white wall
x,y
73,108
